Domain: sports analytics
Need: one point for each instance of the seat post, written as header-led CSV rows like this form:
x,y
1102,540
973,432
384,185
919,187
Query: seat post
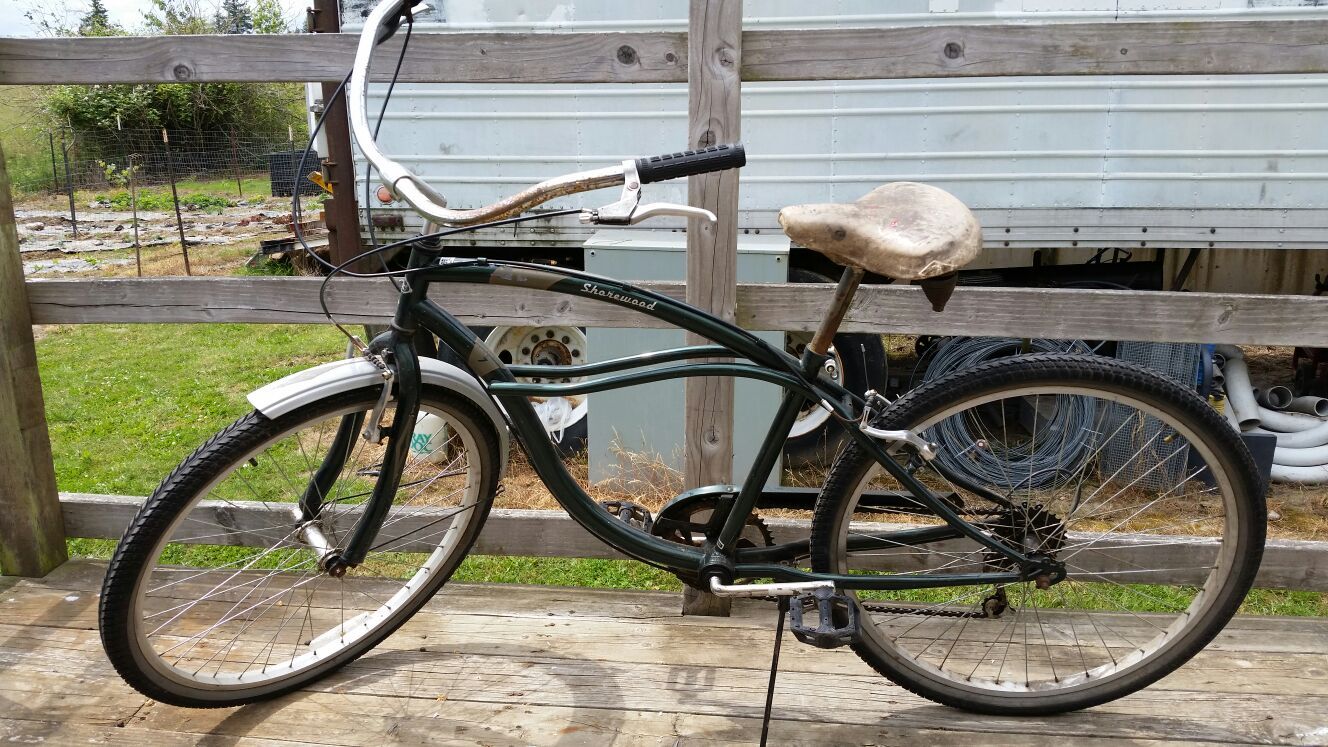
x,y
825,334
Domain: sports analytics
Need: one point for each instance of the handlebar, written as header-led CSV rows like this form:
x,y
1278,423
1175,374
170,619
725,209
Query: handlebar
x,y
380,25
691,163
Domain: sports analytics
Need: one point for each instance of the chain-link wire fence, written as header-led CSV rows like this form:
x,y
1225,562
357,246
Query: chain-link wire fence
x,y
94,161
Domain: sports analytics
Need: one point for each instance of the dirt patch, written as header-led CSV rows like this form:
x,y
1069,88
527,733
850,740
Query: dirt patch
x,y
1269,366
105,242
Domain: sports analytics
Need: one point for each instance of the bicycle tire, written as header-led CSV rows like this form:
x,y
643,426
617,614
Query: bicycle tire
x,y
892,637
157,534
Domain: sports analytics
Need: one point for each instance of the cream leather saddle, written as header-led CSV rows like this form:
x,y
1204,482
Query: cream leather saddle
x,y
903,230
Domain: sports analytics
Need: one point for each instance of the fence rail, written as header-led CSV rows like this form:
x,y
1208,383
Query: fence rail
x,y
1148,316
1135,48
1155,48
1287,564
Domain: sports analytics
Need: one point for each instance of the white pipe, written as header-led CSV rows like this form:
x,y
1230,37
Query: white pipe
x,y
1301,475
1287,422
1240,394
1314,456
1310,405
1274,398
1230,352
1300,440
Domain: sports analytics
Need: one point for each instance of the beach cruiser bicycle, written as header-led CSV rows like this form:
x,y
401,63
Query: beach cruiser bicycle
x,y
1030,535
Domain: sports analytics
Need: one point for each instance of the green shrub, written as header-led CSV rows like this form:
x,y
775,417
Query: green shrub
x,y
160,201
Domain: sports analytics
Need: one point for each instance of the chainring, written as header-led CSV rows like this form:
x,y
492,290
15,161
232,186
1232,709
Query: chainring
x,y
685,520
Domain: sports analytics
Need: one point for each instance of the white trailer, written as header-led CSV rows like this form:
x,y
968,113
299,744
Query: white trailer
x,y
1047,162
1066,166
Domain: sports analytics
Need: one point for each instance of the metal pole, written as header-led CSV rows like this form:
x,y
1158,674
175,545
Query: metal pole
x,y
343,214
235,165
175,198
133,203
55,174
69,183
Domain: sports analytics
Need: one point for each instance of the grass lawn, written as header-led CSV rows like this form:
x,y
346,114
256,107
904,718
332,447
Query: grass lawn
x,y
126,403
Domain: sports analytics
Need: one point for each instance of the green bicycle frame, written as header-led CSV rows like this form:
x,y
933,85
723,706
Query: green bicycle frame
x,y
800,379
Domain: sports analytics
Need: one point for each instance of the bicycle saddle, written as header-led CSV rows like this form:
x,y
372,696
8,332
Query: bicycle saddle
x,y
902,230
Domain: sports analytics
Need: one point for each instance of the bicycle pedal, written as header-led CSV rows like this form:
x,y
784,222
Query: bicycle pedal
x,y
631,513
829,607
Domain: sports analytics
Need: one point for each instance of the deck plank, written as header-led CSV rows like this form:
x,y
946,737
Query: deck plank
x,y
576,666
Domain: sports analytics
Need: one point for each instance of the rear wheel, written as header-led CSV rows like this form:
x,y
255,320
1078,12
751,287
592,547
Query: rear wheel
x,y
1134,484
217,594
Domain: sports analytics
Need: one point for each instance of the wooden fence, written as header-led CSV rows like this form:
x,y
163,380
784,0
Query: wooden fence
x,y
713,57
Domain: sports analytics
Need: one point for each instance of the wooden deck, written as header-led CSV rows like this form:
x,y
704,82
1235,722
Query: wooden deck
x,y
537,665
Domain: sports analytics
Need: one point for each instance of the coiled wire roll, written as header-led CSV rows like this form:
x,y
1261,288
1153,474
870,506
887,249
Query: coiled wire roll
x,y
1065,432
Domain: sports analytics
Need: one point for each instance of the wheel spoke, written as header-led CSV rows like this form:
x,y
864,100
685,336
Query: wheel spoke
x,y
231,618
1106,501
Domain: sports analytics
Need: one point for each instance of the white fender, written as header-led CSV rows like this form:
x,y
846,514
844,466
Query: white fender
x,y
302,387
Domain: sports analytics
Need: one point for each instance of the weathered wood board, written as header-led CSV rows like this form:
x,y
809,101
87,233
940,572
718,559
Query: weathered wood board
x,y
1149,48
1292,564
1024,312
532,665
31,536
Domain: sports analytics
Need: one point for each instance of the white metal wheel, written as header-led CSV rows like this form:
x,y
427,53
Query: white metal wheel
x,y
552,345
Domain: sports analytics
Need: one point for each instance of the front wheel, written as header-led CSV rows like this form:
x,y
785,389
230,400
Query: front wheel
x,y
1141,491
216,595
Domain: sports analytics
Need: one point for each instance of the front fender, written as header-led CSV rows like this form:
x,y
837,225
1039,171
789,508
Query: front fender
x,y
302,387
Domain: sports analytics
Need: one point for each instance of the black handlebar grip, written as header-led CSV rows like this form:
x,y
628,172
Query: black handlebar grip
x,y
691,162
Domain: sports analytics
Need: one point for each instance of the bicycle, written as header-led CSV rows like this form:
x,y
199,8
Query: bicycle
x,y
950,553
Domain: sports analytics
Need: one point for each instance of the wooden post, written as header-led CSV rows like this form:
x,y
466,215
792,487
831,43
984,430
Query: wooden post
x,y
714,49
341,209
32,533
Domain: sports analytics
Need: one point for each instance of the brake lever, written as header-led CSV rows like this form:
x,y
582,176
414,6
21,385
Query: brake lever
x,y
628,210
656,209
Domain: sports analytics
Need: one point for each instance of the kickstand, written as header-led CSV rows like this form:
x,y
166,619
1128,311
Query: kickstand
x,y
774,668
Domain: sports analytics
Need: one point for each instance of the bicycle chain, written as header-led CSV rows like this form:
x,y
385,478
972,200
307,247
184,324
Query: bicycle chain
x,y
923,613
887,609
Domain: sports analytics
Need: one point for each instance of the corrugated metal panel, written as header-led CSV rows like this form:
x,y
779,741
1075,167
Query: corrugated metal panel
x,y
604,15
1024,143
647,419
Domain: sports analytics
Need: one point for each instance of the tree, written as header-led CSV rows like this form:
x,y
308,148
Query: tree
x,y
269,17
99,110
96,22
235,17
178,17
